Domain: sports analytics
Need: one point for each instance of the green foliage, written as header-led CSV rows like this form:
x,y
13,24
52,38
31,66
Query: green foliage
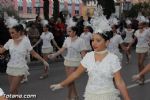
x,y
55,9
140,7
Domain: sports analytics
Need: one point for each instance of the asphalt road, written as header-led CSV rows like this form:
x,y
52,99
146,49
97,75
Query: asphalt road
x,y
40,88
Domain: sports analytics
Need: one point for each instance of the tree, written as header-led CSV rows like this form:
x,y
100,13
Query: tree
x,y
136,8
46,9
108,7
56,9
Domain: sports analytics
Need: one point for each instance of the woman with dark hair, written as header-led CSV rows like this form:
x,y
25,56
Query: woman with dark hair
x,y
47,48
100,84
128,39
18,48
115,42
87,36
142,36
76,49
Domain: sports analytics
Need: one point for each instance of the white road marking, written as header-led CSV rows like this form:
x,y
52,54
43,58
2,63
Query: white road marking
x,y
134,85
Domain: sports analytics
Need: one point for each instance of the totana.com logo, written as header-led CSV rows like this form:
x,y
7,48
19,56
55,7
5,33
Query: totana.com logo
x,y
1,92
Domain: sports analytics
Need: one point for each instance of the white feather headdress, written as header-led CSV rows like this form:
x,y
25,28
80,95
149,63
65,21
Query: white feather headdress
x,y
70,22
147,20
99,22
10,22
44,22
86,23
141,18
128,22
113,21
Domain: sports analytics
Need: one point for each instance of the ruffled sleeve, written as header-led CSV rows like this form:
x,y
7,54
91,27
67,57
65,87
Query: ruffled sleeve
x,y
51,36
28,45
85,61
115,64
7,45
66,42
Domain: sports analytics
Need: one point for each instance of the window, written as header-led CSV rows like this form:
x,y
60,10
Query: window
x,y
77,7
61,5
77,12
29,9
29,6
20,6
70,6
37,6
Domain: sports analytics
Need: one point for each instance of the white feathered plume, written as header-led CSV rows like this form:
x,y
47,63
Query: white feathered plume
x,y
99,22
141,19
86,23
147,20
128,22
70,22
10,22
44,22
113,21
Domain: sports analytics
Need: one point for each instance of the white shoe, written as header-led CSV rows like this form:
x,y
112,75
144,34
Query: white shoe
x,y
24,80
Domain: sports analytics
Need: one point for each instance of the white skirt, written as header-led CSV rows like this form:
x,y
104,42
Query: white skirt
x,y
142,49
105,96
69,63
47,50
17,71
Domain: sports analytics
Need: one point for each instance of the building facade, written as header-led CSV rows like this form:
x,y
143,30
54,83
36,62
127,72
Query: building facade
x,y
30,8
138,1
88,9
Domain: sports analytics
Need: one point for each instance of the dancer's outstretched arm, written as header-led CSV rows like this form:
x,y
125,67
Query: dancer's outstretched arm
x,y
37,56
121,85
69,79
143,72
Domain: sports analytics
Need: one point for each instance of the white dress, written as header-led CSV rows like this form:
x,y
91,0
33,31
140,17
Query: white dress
x,y
143,39
73,56
129,34
100,84
113,46
87,37
46,38
17,64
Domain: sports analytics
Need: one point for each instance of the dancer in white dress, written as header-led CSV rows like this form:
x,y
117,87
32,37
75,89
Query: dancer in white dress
x,y
128,39
100,84
18,48
46,38
87,36
115,41
143,37
76,49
